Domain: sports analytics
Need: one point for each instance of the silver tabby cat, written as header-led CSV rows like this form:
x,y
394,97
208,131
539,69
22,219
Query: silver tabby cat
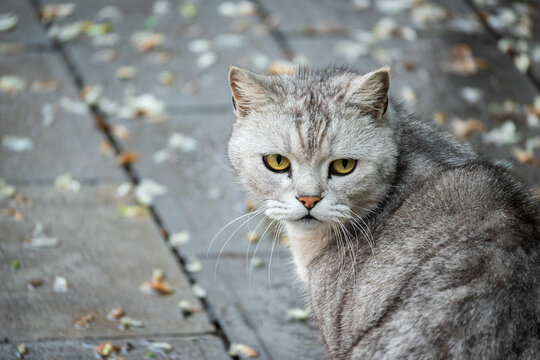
x,y
410,244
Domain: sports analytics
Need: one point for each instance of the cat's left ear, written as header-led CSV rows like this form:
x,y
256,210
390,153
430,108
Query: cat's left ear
x,y
249,92
369,93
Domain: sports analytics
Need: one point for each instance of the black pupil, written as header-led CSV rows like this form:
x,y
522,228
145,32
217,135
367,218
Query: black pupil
x,y
344,163
278,159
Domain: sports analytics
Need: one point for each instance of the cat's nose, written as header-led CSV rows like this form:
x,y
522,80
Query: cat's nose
x,y
309,201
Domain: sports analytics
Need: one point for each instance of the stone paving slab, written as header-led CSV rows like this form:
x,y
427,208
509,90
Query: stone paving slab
x,y
422,66
104,257
517,31
195,86
261,302
198,182
321,17
28,29
189,348
70,144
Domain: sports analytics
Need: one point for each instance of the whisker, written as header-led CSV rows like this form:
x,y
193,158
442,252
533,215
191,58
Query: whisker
x,y
257,247
225,244
219,161
247,250
274,238
225,227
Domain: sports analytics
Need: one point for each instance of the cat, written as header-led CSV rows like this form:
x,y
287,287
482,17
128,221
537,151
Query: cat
x,y
409,243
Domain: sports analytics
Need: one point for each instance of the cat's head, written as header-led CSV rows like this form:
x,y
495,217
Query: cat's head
x,y
313,147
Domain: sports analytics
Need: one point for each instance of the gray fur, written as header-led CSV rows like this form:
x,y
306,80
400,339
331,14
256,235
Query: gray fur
x,y
455,267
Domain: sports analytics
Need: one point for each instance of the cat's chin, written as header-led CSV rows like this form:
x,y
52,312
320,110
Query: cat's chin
x,y
307,223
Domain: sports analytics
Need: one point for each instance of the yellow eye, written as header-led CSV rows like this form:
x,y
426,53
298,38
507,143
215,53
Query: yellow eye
x,y
276,162
342,166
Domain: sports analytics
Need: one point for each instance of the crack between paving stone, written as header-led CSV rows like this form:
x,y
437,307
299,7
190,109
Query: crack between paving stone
x,y
103,127
48,182
278,35
495,35
245,317
345,35
186,336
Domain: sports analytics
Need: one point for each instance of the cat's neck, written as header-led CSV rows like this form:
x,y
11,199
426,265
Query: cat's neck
x,y
306,245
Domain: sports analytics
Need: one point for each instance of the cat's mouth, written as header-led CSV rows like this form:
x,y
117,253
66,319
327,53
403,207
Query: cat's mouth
x,y
308,218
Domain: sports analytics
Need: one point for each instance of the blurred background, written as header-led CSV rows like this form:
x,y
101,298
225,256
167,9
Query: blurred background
x,y
123,231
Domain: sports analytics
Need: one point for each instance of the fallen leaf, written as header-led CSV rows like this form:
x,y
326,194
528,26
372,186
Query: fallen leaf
x,y
44,85
145,41
526,157
47,112
42,242
126,72
116,313
133,210
120,131
73,106
160,347
439,117
106,349
182,142
56,11
91,94
96,29
462,128
158,275
464,62
298,314
124,189
126,322
206,60
16,214
66,32
147,189
60,284
8,21
12,84
179,238
198,290
17,143
240,349
67,182
105,148
428,13
6,191
84,321
239,9
127,157
188,10
187,308
34,283
157,286
166,78
252,236
193,265
280,67
504,135
21,348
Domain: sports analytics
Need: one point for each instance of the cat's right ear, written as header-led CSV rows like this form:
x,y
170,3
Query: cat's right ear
x,y
248,91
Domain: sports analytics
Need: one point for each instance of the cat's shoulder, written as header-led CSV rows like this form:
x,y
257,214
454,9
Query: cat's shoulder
x,y
479,190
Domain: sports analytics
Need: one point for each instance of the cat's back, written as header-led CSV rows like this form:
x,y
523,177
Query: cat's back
x,y
461,262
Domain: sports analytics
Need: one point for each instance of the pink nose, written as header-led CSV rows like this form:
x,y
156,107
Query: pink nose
x,y
309,201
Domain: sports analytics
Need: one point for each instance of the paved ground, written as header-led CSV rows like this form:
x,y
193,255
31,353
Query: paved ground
x,y
110,93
